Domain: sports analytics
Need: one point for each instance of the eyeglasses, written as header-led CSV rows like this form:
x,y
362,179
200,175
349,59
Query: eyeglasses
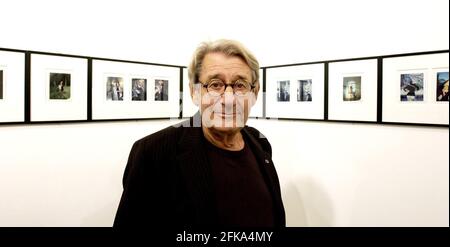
x,y
217,87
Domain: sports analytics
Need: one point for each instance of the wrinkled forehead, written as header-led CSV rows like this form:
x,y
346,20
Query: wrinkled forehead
x,y
224,67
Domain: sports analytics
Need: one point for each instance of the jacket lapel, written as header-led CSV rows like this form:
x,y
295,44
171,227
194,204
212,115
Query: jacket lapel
x,y
269,173
194,166
262,157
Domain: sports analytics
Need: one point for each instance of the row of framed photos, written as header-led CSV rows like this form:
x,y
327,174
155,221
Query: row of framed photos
x,y
393,89
408,88
59,88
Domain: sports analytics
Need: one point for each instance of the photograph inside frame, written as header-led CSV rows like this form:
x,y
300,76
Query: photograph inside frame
x,y
114,88
442,86
283,91
139,89
412,86
59,86
161,90
304,90
351,88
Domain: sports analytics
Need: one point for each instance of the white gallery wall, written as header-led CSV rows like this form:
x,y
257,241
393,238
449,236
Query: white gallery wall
x,y
332,174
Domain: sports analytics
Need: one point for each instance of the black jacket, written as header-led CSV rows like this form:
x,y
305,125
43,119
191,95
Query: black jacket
x,y
168,182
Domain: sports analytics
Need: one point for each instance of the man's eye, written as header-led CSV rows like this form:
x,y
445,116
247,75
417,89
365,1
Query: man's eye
x,y
215,85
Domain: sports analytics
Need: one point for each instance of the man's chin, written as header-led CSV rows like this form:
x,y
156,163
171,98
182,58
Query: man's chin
x,y
225,130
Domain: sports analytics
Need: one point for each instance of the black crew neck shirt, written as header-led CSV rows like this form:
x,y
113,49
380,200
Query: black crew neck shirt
x,y
241,194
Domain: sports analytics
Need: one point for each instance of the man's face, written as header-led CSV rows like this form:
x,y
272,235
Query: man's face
x,y
307,87
158,87
227,112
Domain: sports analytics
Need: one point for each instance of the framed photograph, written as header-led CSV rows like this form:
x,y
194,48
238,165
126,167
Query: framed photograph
x,y
441,86
283,91
122,90
138,89
58,88
161,90
352,90
415,89
304,90
411,86
12,87
114,88
295,92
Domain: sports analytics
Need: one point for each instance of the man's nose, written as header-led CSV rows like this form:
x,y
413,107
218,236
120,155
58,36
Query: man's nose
x,y
228,88
228,97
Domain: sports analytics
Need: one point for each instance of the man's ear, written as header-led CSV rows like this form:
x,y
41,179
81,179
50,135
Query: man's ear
x,y
196,93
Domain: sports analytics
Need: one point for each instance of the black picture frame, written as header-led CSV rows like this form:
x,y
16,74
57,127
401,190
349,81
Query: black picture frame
x,y
12,86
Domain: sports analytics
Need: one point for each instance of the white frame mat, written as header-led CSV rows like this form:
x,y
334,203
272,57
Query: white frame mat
x,y
296,109
12,104
45,109
364,109
103,109
428,111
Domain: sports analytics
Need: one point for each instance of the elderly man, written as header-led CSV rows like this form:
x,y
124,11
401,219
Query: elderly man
x,y
211,170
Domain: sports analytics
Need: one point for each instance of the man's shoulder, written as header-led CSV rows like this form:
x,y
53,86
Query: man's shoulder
x,y
259,138
254,132
167,136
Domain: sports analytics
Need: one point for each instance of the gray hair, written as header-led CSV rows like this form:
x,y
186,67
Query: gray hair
x,y
227,47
